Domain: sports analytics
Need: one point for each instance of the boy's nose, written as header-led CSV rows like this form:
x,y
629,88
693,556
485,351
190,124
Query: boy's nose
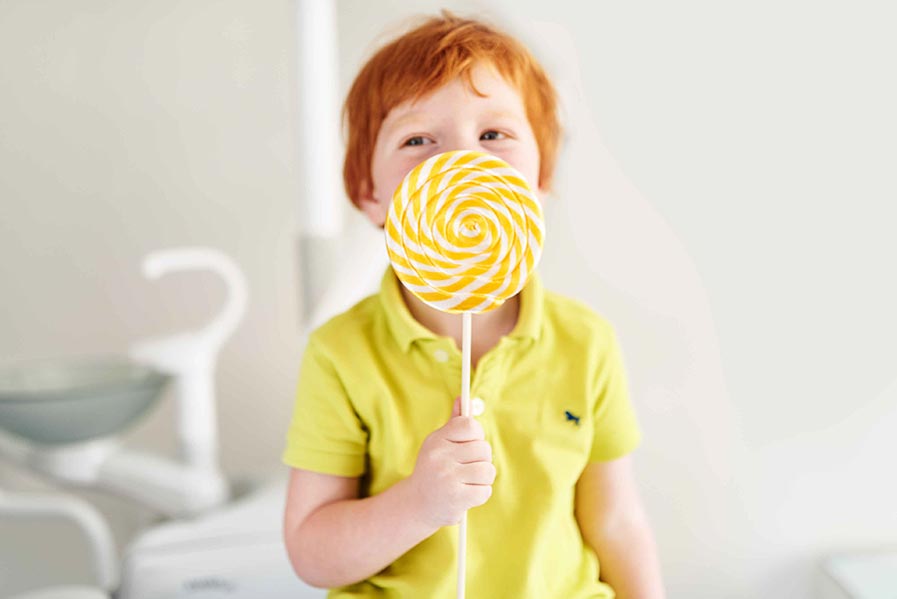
x,y
461,141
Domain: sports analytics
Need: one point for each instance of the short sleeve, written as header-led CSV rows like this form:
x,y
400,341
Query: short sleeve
x,y
616,428
325,433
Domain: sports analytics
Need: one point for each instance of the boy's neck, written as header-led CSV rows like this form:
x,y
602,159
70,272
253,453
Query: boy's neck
x,y
488,327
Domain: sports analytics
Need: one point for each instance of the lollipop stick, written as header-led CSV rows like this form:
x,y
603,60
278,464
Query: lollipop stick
x,y
465,411
465,363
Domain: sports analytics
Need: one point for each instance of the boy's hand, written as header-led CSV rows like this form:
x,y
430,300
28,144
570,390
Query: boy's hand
x,y
454,470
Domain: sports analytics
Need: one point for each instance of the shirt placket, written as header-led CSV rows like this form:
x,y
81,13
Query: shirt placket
x,y
486,379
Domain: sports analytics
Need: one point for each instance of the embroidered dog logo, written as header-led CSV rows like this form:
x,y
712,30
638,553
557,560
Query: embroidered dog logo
x,y
570,417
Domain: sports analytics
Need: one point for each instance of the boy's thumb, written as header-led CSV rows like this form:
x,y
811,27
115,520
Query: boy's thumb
x,y
456,409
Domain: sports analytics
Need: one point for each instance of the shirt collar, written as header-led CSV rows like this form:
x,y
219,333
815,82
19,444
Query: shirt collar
x,y
406,330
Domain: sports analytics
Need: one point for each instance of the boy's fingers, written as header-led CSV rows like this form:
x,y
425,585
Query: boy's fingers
x,y
473,451
463,428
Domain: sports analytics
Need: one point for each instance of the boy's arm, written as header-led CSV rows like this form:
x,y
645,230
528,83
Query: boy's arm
x,y
614,524
334,539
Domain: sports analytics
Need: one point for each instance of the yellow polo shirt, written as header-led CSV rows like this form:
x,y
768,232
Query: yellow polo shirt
x,y
551,396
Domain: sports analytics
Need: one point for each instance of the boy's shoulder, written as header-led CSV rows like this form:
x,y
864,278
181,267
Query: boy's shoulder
x,y
350,326
573,319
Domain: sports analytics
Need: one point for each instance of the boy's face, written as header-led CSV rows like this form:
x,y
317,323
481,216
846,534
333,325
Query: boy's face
x,y
452,117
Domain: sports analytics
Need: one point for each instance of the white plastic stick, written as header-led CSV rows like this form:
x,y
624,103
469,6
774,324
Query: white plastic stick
x,y
465,411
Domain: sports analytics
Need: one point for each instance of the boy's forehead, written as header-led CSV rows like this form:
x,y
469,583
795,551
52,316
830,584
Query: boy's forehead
x,y
497,98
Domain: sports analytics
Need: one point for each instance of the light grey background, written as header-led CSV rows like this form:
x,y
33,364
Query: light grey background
x,y
725,198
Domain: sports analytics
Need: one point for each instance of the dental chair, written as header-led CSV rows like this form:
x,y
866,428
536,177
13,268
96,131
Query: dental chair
x,y
61,419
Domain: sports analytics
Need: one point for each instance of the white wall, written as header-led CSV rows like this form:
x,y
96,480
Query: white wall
x,y
724,199
127,127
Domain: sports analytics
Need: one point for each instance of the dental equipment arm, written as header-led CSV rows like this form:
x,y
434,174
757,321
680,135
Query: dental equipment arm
x,y
80,513
191,356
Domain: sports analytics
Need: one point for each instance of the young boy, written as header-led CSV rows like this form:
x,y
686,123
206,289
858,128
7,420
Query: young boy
x,y
382,463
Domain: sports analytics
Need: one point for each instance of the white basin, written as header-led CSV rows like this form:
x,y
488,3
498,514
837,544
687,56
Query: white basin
x,y
61,401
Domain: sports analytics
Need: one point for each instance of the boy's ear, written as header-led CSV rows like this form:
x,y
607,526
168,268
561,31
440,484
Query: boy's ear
x,y
371,207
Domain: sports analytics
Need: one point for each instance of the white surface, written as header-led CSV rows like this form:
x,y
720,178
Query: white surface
x,y
236,552
66,592
869,576
241,566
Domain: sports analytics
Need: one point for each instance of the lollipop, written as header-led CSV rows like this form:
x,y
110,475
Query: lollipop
x,y
463,233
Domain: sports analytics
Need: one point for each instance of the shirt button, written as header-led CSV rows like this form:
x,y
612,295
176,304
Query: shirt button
x,y
477,406
440,355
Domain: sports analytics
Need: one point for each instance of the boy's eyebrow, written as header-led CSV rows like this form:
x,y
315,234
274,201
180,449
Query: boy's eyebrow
x,y
410,117
405,118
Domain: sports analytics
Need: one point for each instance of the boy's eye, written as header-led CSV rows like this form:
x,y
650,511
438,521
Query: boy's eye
x,y
417,140
492,135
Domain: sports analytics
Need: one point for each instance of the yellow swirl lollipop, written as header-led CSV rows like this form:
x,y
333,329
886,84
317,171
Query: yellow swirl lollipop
x,y
464,231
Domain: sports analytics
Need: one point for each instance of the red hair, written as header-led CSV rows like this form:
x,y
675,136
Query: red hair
x,y
423,60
